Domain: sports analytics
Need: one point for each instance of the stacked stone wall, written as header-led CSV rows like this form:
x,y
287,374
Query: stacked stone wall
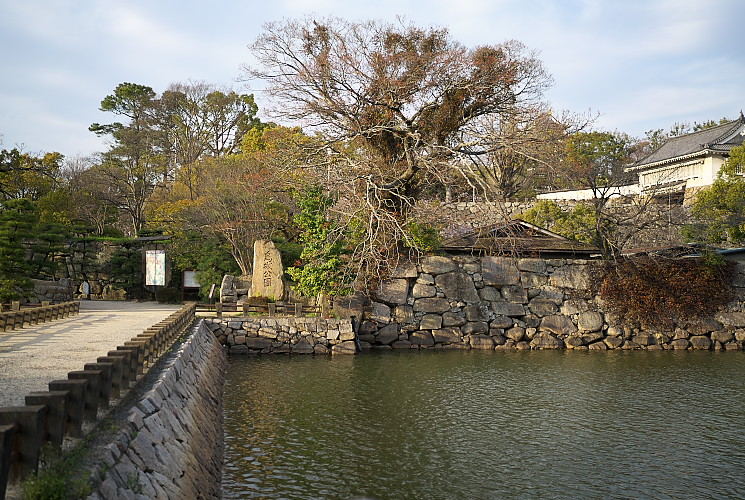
x,y
299,335
52,291
173,445
506,303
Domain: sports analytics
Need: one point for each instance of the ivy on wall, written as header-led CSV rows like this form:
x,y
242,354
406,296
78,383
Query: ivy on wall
x,y
655,292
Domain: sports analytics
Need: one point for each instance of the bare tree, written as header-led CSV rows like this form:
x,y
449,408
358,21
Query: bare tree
x,y
394,104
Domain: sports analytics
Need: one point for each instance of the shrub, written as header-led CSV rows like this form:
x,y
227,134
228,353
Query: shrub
x,y
168,295
656,291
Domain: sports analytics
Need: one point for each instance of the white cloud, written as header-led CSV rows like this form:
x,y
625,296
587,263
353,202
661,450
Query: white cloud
x,y
635,60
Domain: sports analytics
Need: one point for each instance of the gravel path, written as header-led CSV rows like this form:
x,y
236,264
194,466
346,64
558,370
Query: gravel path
x,y
35,355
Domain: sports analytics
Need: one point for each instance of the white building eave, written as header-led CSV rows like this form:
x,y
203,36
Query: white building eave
x,y
651,166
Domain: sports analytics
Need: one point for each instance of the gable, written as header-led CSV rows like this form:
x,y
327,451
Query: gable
x,y
518,237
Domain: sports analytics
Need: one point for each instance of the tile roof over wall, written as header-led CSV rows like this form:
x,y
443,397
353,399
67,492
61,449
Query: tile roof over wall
x,y
712,139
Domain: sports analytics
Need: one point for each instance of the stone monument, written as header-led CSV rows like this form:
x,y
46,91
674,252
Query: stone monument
x,y
268,275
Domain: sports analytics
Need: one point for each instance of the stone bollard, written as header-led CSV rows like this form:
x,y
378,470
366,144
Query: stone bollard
x,y
56,415
129,370
18,319
7,437
218,309
106,369
92,391
15,306
117,373
149,349
47,311
7,321
29,421
75,403
157,337
142,354
35,316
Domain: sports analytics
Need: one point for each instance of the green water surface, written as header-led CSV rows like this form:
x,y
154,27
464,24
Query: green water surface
x,y
478,425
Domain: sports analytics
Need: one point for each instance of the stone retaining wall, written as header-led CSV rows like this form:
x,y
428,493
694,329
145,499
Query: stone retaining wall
x,y
299,335
506,303
53,291
173,445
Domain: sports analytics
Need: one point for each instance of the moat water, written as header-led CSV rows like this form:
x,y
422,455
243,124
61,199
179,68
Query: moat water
x,y
481,425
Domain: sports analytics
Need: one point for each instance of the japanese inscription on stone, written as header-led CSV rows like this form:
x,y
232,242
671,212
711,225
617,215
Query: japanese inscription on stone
x,y
267,277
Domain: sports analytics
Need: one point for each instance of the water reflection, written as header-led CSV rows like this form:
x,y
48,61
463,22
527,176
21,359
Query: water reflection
x,y
486,425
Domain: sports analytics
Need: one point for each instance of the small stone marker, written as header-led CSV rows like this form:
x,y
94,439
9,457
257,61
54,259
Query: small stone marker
x,y
268,272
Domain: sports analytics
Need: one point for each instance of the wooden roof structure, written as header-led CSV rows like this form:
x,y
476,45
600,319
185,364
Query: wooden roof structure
x,y
520,238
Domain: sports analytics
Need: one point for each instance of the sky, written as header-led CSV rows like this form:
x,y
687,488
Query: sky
x,y
638,64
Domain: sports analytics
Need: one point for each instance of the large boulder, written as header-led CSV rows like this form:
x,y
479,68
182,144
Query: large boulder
x,y
499,271
420,291
393,291
405,270
431,322
458,285
734,319
380,313
590,321
474,327
532,265
387,335
453,319
722,336
508,309
403,315
348,347
438,265
481,342
558,323
515,293
575,276
447,336
700,342
700,326
541,307
431,305
546,340
476,312
423,338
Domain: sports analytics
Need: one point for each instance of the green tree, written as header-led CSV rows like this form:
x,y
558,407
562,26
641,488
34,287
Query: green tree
x,y
578,223
596,161
135,163
720,208
23,175
323,269
18,217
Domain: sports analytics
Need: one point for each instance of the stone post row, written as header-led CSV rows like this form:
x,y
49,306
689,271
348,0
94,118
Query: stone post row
x,y
51,415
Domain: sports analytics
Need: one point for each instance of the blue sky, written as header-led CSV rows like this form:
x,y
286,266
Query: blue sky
x,y
640,64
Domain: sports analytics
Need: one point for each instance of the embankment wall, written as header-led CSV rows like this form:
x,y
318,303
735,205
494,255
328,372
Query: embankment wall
x,y
510,303
172,446
299,335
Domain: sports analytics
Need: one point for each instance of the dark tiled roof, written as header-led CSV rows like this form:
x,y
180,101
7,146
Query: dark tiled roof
x,y
712,139
518,237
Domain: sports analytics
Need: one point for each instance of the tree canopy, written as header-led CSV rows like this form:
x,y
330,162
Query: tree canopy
x,y
721,207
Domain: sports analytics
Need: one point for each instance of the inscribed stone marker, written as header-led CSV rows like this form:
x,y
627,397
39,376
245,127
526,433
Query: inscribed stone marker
x,y
268,273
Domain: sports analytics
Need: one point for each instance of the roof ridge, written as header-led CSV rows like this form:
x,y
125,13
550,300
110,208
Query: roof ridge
x,y
715,134
708,129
